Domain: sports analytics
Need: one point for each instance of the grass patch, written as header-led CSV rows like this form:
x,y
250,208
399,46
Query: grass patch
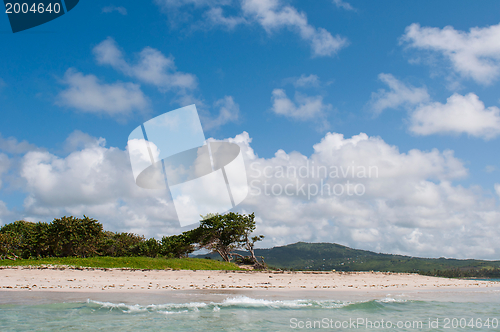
x,y
127,262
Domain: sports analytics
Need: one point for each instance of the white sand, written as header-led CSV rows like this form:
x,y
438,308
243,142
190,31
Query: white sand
x,y
74,280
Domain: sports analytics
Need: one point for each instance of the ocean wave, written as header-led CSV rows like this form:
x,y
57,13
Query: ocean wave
x,y
242,302
391,300
162,308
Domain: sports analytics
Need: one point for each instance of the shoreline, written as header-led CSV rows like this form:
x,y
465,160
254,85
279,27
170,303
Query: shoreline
x,y
57,278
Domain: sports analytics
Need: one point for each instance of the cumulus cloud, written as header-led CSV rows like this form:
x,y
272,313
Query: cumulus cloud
x,y
152,67
13,146
94,180
303,108
11,150
86,93
92,176
460,114
398,95
474,54
156,69
392,201
365,193
119,9
272,15
79,140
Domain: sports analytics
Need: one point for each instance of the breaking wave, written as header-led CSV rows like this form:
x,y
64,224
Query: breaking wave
x,y
240,302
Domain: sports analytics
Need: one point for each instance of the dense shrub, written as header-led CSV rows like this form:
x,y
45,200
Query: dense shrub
x,y
177,246
464,273
120,244
85,237
64,237
70,236
25,239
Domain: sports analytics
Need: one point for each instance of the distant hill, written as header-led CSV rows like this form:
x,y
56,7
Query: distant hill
x,y
331,256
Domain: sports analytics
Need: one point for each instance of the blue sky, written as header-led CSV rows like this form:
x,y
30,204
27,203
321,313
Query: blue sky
x,y
412,76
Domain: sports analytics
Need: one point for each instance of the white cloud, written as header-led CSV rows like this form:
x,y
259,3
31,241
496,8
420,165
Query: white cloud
x,y
5,214
10,151
86,93
4,166
343,5
228,112
410,204
272,15
215,16
307,81
152,68
96,181
497,189
304,108
169,4
110,9
461,114
490,168
88,176
79,140
398,95
474,55
13,146
156,69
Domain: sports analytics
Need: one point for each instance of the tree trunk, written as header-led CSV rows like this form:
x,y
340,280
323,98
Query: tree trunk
x,y
250,247
224,254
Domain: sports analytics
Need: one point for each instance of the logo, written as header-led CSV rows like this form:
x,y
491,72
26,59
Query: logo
x,y
170,152
26,14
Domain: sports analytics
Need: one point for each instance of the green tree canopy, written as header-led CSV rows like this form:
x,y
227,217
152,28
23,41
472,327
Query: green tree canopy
x,y
225,233
70,236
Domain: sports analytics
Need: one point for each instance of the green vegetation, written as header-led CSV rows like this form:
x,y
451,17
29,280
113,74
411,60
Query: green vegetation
x,y
82,242
466,273
226,233
142,263
330,256
85,238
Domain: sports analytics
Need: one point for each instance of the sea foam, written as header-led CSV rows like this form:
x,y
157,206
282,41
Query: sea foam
x,y
235,302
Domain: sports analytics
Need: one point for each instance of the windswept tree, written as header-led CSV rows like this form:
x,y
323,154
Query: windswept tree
x,y
225,233
249,245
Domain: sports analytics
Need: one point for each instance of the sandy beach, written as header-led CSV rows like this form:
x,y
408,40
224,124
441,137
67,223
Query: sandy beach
x,y
112,280
149,300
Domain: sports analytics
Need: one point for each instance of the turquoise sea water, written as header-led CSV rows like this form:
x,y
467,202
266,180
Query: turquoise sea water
x,y
239,312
